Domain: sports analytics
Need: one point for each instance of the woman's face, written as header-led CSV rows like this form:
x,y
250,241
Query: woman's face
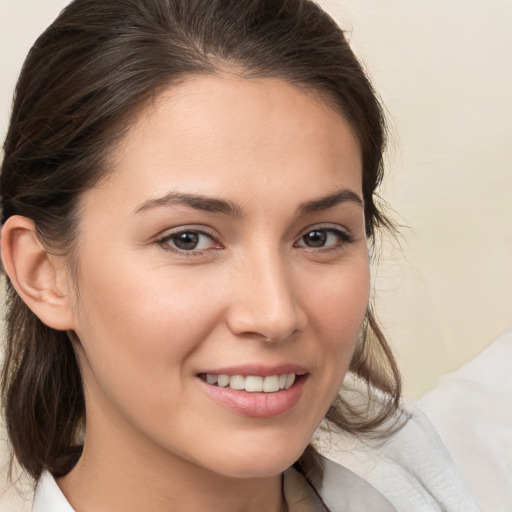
x,y
226,245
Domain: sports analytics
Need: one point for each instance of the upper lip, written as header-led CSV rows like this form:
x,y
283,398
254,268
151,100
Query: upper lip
x,y
257,369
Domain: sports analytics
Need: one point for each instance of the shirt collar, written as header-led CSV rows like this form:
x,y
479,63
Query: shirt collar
x,y
298,494
48,496
340,489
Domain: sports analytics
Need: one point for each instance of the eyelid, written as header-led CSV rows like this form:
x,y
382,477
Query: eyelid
x,y
164,238
344,234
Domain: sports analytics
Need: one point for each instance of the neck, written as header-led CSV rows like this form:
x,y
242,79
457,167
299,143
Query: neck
x,y
116,474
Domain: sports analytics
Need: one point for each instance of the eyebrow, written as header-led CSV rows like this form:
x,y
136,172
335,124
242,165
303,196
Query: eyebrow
x,y
198,202
344,195
214,205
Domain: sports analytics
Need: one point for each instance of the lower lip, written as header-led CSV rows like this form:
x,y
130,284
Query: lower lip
x,y
257,405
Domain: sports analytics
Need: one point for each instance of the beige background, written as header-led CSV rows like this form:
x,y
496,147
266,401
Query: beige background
x,y
444,71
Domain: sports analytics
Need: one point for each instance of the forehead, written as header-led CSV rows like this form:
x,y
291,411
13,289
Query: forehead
x,y
210,134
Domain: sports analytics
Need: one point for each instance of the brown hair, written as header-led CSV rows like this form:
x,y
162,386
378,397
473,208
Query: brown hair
x,y
83,81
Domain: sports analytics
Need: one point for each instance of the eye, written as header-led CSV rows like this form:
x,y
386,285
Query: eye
x,y
188,241
319,238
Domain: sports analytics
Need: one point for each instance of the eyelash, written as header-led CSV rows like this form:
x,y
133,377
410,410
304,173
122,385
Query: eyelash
x,y
344,236
165,241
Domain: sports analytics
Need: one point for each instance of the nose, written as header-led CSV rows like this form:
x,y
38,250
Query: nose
x,y
265,301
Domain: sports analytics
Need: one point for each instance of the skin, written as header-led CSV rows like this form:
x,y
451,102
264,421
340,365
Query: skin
x,y
150,317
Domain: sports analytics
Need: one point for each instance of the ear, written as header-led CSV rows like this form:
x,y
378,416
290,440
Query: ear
x,y
39,277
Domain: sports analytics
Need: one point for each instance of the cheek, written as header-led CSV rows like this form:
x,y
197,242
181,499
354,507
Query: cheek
x,y
137,333
337,308
340,300
130,298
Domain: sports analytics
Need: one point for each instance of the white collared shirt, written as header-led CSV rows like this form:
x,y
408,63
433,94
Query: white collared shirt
x,y
49,497
341,490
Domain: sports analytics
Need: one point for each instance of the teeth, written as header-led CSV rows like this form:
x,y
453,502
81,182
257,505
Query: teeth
x,y
222,381
236,382
290,379
253,383
211,379
271,384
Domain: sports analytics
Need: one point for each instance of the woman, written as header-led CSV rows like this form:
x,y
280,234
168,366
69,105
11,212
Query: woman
x,y
188,198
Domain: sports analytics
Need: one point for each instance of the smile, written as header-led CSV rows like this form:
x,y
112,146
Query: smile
x,y
251,383
257,396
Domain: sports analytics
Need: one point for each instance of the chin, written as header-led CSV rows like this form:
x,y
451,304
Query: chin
x,y
258,469
263,462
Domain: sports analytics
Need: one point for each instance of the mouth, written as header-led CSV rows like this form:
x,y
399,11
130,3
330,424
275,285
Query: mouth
x,y
251,383
255,395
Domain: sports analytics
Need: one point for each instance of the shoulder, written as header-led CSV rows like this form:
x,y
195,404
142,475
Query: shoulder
x,y
411,468
475,401
342,490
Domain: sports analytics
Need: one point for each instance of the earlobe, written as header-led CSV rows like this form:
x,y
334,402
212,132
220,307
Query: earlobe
x,y
37,275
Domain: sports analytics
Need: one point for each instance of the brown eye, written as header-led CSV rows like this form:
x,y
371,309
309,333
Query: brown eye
x,y
328,238
316,238
186,241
